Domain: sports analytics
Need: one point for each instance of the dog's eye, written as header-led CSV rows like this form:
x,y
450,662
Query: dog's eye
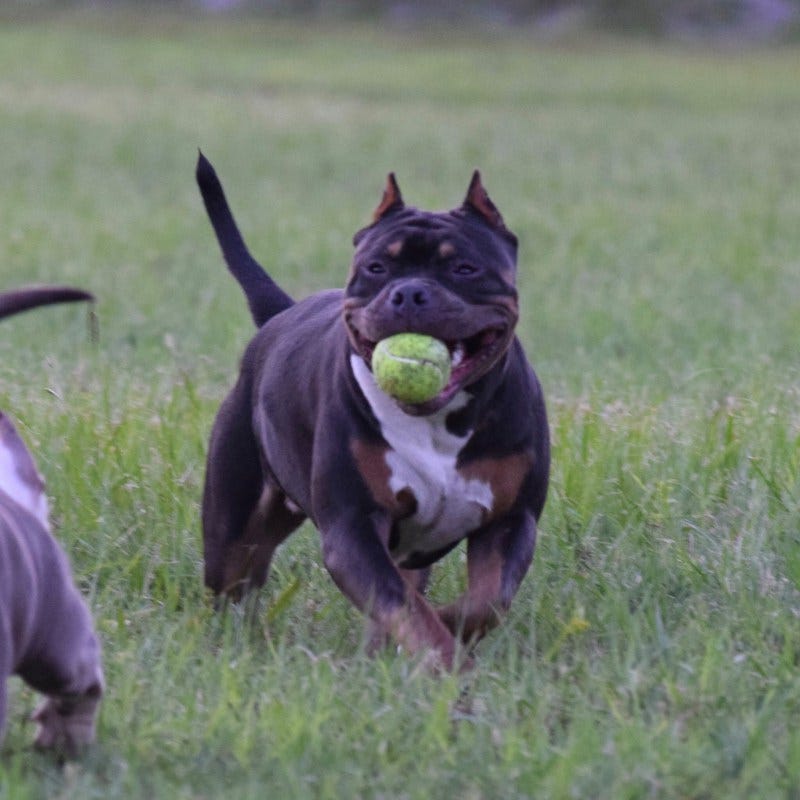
x,y
464,269
375,268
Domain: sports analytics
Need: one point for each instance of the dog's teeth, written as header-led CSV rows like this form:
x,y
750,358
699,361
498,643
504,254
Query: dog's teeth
x,y
458,355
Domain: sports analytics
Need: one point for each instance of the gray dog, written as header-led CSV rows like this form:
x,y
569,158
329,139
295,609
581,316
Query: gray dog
x,y
46,631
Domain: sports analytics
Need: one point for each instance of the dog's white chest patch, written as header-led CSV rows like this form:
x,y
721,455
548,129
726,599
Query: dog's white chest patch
x,y
18,476
422,460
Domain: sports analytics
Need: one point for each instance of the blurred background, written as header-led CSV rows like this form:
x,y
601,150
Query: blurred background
x,y
647,156
722,20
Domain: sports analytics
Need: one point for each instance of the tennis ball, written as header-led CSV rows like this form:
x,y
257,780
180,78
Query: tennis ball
x,y
411,367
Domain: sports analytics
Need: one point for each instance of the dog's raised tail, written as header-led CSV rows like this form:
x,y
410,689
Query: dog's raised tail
x,y
28,297
264,297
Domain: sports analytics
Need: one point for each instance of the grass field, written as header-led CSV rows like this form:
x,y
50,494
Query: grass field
x,y
653,649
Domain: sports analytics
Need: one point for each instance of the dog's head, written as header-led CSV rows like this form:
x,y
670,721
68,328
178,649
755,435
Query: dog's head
x,y
450,275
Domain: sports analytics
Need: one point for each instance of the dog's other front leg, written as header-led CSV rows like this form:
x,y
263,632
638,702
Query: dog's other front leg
x,y
378,637
355,554
498,557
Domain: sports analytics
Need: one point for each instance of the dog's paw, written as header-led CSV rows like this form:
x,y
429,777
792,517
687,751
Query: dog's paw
x,y
65,724
376,639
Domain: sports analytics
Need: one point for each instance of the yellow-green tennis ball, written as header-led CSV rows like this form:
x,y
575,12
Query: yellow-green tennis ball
x,y
411,367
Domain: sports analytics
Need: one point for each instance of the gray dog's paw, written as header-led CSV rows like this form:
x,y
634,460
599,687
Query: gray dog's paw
x,y
66,725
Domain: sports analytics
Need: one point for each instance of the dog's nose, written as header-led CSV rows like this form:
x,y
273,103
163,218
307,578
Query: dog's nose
x,y
410,296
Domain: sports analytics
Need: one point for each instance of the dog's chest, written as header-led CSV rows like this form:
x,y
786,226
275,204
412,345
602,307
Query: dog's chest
x,y
422,467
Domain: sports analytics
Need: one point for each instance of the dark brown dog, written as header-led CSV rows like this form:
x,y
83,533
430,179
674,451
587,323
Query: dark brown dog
x,y
46,631
392,487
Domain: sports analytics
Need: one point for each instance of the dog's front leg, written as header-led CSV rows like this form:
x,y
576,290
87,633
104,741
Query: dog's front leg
x,y
355,554
64,663
498,556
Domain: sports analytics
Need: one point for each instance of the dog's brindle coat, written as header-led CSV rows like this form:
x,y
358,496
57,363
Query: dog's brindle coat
x,y
46,632
306,432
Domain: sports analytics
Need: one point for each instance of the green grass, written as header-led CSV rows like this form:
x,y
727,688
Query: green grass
x,y
653,649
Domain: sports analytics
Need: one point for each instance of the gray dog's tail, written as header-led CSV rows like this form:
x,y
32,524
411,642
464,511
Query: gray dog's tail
x,y
34,296
264,297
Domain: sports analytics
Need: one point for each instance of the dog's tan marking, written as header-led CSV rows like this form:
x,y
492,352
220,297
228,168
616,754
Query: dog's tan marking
x,y
446,249
395,248
371,463
480,608
503,475
508,302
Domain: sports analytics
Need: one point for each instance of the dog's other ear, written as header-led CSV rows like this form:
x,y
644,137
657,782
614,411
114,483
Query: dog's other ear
x,y
391,201
478,200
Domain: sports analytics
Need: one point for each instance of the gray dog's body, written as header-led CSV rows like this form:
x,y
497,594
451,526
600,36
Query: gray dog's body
x,y
46,631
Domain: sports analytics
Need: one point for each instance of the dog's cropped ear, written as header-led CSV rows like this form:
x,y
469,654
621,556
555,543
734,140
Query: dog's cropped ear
x,y
478,201
391,201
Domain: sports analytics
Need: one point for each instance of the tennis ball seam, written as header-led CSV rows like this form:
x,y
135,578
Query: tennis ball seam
x,y
412,360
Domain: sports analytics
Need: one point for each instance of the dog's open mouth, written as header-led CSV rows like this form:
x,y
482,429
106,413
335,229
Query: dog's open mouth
x,y
470,358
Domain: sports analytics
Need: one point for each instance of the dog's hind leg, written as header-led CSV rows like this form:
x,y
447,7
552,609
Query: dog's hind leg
x,y
245,515
247,560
